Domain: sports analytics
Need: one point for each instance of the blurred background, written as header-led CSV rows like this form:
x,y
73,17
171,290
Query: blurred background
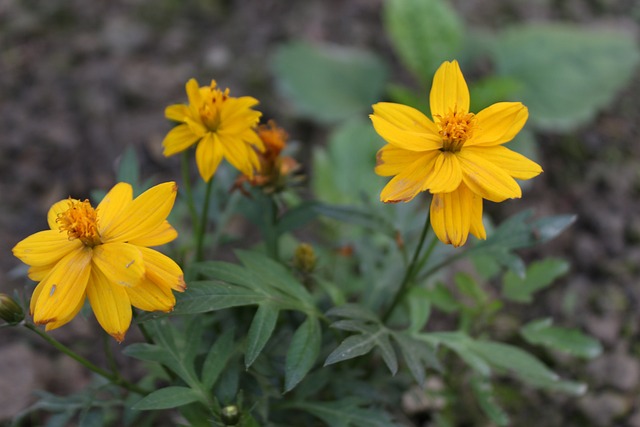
x,y
82,81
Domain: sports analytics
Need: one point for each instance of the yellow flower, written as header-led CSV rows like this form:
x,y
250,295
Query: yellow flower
x,y
458,157
221,125
103,253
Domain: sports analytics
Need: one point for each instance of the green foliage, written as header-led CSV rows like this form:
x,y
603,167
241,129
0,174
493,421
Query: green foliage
x,y
424,33
566,73
328,83
539,275
572,341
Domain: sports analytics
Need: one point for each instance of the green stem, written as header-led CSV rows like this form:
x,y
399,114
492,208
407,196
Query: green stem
x,y
113,378
186,182
202,226
224,218
412,270
272,237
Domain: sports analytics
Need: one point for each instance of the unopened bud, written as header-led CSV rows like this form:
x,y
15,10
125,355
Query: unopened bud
x,y
10,311
230,415
304,258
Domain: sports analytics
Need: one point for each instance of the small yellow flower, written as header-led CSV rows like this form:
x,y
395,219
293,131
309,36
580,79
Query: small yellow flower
x,y
103,253
458,157
221,125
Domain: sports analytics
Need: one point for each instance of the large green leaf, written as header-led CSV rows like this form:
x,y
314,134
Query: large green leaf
x,y
217,358
424,33
567,72
329,83
303,352
484,395
214,295
168,397
571,341
262,326
346,412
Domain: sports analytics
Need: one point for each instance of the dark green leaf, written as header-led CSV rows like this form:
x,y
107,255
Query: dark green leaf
x,y
328,83
214,295
262,326
353,311
568,340
388,353
303,352
424,33
539,275
217,358
353,346
417,355
297,217
567,72
346,412
168,397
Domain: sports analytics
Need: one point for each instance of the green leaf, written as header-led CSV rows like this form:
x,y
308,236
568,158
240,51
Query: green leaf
x,y
470,288
328,83
491,90
261,329
571,341
512,359
484,394
303,352
357,216
207,296
442,298
353,346
417,99
539,275
274,274
567,72
227,272
388,353
424,33
217,358
344,169
353,311
128,170
346,412
419,308
168,397
417,355
297,217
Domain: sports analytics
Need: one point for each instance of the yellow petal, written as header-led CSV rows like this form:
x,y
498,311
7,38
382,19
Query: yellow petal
x,y
54,210
193,93
392,160
410,181
58,295
406,139
451,216
63,320
45,248
176,112
39,272
404,117
477,226
240,154
449,91
162,270
486,179
122,263
208,156
165,233
144,214
238,111
112,206
515,164
446,174
178,139
111,305
498,124
150,297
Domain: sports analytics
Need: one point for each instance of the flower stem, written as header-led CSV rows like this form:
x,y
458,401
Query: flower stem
x,y
272,236
202,226
112,377
412,269
186,182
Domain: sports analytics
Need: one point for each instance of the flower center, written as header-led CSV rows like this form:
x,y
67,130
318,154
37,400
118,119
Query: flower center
x,y
455,129
80,221
213,99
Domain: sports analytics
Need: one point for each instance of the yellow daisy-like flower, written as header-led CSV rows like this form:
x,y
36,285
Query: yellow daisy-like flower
x,y
458,157
221,125
103,253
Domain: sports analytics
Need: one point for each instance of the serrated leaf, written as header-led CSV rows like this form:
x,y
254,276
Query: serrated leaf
x,y
539,275
217,358
303,352
571,341
168,397
328,83
484,395
567,72
261,329
207,296
424,33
